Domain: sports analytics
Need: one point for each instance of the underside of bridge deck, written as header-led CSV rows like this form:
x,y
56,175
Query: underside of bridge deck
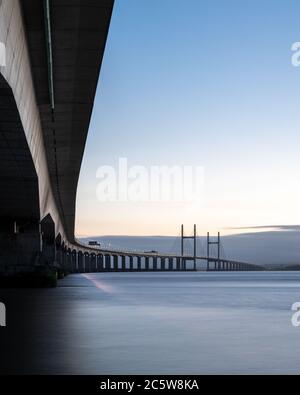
x,y
54,51
78,32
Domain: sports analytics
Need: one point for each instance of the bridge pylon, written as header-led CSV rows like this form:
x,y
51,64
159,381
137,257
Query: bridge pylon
x,y
209,243
183,257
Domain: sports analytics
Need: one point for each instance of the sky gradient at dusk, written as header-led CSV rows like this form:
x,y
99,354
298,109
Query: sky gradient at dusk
x,y
202,83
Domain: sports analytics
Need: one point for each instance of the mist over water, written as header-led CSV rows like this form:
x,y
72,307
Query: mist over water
x,y
155,323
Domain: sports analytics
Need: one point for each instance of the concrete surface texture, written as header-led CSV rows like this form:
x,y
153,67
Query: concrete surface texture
x,y
42,130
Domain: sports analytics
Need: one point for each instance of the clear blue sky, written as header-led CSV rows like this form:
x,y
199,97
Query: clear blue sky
x,y
207,83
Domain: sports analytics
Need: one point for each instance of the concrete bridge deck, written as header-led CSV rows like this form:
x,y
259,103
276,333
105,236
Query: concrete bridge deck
x,y
122,261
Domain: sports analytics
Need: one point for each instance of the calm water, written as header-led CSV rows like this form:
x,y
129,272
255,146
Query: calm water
x,y
167,323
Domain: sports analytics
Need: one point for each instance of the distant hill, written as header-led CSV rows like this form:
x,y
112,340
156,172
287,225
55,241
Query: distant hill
x,y
278,248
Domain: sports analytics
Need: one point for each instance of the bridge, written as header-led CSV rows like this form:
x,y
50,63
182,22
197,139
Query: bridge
x,y
53,56
113,261
88,260
120,260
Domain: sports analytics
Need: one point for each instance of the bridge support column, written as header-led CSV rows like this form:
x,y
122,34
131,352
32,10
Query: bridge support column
x,y
154,263
80,262
171,264
93,263
69,261
64,261
178,264
96,264
83,263
162,264
131,263
20,248
87,263
146,263
100,262
115,262
74,262
58,251
107,263
60,257
90,267
139,263
47,229
123,260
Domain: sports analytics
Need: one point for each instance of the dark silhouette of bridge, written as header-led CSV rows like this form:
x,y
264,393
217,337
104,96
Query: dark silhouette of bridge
x,y
113,260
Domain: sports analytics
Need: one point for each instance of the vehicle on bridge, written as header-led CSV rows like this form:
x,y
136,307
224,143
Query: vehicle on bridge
x,y
95,244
